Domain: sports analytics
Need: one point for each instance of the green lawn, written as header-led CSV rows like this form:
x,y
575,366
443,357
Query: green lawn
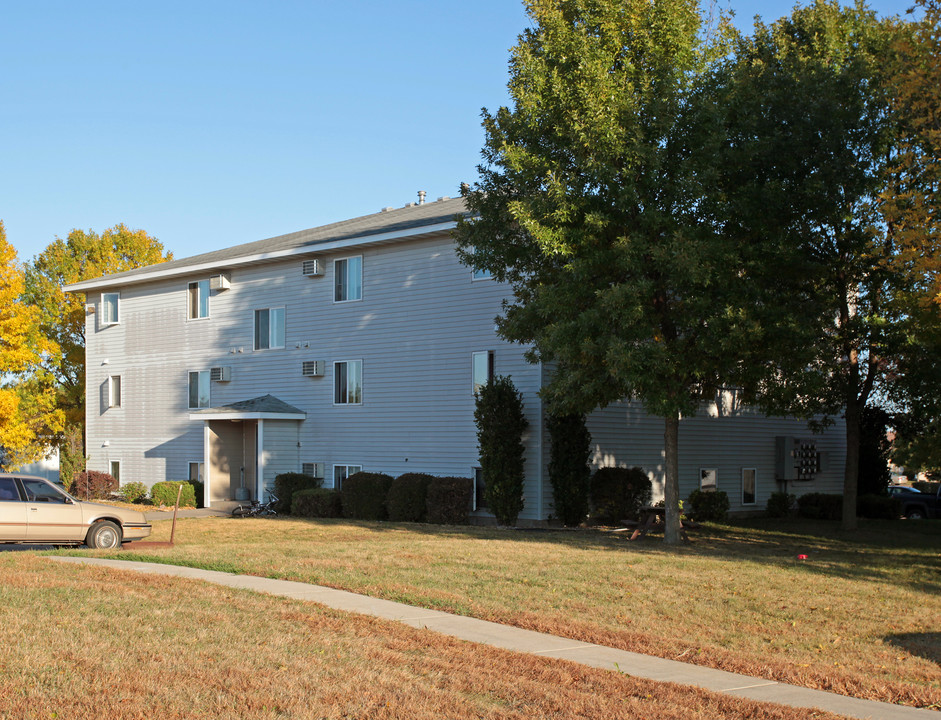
x,y
858,616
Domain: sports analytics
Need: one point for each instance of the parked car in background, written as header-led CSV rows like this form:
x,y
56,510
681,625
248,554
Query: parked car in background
x,y
34,510
916,504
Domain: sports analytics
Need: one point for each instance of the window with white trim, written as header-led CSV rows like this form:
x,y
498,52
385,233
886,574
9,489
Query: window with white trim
x,y
199,389
197,299
482,275
342,472
114,391
109,308
269,328
348,382
708,479
348,279
196,471
481,369
749,486
116,470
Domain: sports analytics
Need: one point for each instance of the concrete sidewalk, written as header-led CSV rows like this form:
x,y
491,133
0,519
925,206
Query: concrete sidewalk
x,y
511,638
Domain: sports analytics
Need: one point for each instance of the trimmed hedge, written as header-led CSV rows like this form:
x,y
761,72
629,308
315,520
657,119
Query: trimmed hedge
x,y
408,497
712,505
286,484
133,491
317,503
93,485
364,495
878,507
619,493
199,490
780,504
820,506
164,493
449,500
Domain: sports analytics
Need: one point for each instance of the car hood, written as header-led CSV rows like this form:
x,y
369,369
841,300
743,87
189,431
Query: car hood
x,y
91,510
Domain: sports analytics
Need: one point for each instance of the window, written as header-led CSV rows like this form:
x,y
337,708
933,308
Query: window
x,y
348,382
482,275
198,299
342,472
708,479
109,308
748,486
480,499
199,389
196,471
116,470
114,391
269,328
482,369
348,279
8,490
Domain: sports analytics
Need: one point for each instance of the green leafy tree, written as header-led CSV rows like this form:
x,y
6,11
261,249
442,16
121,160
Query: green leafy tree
x,y
596,203
83,255
569,473
814,89
874,451
500,426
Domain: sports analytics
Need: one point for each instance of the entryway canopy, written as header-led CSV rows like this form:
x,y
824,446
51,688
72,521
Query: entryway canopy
x,y
234,453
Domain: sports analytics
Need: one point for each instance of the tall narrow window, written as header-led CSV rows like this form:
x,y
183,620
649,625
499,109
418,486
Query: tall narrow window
x,y
196,471
748,486
116,470
348,279
198,299
114,391
199,389
109,308
482,369
269,328
708,479
342,472
348,382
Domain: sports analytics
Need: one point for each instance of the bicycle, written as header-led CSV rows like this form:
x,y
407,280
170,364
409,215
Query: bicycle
x,y
257,509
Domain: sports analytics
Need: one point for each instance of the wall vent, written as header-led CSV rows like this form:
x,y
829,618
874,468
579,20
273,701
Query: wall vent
x,y
220,374
312,368
312,268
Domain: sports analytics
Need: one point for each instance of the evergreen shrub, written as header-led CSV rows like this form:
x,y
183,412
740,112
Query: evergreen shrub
x,y
286,484
133,491
500,424
569,451
363,496
408,497
712,505
449,500
93,485
199,489
820,506
619,493
780,504
164,493
316,503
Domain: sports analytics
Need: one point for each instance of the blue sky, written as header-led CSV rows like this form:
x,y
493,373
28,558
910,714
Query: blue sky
x,y
209,123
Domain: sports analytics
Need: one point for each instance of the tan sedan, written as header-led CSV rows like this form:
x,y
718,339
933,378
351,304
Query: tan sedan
x,y
34,510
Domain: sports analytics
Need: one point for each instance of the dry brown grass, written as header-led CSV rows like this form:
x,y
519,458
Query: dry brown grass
x,y
858,617
83,642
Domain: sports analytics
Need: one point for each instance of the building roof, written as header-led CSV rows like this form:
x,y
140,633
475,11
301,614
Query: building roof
x,y
389,225
266,407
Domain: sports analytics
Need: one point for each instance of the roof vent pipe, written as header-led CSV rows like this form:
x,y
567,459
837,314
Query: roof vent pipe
x,y
421,197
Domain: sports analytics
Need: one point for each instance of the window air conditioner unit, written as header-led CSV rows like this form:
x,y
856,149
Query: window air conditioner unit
x,y
89,309
312,268
220,374
314,469
312,368
219,282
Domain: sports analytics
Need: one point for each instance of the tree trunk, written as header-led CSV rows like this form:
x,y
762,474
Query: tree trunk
x,y
671,488
851,471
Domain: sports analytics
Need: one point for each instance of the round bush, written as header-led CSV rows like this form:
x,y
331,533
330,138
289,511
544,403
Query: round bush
x,y
133,491
619,493
449,500
93,485
407,498
164,493
780,504
317,503
712,505
286,484
363,495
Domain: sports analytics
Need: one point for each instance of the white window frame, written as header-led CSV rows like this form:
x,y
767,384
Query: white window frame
x,y
194,309
754,481
199,470
111,466
480,274
270,341
339,486
106,304
199,383
114,391
703,474
484,357
336,382
346,284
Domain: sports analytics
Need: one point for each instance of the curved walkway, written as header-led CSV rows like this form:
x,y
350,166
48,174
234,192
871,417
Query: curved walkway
x,y
512,638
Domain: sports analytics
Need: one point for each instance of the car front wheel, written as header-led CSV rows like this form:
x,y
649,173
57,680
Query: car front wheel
x,y
915,514
104,535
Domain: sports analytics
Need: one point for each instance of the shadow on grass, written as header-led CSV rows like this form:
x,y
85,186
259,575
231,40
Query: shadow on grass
x,y
926,644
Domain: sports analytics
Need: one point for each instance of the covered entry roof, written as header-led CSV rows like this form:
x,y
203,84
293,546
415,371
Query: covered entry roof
x,y
266,407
